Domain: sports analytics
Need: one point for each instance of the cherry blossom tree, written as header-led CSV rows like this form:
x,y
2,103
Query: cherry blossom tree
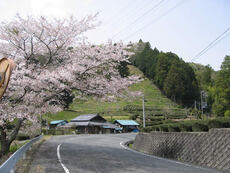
x,y
53,57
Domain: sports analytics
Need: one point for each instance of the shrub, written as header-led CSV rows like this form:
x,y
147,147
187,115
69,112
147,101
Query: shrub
x,y
134,116
169,122
227,113
163,128
199,127
173,127
132,108
155,128
225,122
157,118
185,127
22,136
147,129
215,123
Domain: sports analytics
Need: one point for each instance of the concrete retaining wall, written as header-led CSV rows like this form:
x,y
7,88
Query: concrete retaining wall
x,y
211,149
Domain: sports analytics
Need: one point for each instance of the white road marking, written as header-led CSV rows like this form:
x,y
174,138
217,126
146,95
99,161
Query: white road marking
x,y
59,158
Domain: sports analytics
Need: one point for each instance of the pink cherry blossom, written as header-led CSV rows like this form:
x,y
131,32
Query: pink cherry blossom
x,y
53,56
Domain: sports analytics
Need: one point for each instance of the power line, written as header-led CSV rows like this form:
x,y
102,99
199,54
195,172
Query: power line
x,y
137,19
120,11
156,19
212,44
121,14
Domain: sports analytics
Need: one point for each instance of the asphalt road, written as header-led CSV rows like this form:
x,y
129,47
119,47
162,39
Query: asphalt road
x,y
101,154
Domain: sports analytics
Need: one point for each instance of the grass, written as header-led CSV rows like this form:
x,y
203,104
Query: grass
x,y
155,100
130,146
25,165
15,146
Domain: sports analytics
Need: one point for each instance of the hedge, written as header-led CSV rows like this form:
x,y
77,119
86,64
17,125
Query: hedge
x,y
185,127
191,126
173,128
22,137
199,127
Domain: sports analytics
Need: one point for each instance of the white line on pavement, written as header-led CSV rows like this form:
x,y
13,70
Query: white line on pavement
x,y
59,158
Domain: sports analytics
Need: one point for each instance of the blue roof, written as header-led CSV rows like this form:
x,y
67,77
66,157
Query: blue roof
x,y
57,122
127,122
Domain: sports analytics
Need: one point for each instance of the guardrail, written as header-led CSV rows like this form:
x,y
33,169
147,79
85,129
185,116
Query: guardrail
x,y
9,164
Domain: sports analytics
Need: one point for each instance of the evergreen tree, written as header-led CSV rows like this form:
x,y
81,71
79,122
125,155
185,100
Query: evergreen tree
x,y
162,68
222,89
181,83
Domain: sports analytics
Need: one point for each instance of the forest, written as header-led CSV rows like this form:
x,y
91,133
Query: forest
x,y
189,84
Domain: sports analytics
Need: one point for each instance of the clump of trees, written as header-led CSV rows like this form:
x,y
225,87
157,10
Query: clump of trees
x,y
216,85
171,74
220,92
184,82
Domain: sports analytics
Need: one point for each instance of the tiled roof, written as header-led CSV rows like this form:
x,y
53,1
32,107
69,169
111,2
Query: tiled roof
x,y
87,117
71,124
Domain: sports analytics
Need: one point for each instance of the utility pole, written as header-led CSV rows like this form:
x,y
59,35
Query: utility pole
x,y
143,107
195,105
41,125
201,101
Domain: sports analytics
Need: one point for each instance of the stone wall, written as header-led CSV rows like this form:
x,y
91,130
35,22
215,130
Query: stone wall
x,y
209,149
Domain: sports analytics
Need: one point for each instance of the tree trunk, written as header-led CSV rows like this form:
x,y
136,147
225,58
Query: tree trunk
x,y
7,140
5,147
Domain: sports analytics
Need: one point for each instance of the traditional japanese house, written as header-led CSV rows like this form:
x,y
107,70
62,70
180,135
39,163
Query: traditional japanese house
x,y
91,123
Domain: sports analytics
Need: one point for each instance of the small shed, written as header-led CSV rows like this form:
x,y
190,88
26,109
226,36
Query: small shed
x,y
127,125
57,123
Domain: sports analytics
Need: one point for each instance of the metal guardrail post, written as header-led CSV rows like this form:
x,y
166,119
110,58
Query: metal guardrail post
x,y
9,164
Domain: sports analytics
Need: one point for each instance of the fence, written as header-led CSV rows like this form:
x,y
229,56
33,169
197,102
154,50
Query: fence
x,y
8,166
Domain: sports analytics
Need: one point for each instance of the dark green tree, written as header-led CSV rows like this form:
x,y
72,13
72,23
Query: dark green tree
x,y
123,69
222,89
181,83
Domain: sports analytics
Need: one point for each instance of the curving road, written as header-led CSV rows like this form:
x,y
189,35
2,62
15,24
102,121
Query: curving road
x,y
101,154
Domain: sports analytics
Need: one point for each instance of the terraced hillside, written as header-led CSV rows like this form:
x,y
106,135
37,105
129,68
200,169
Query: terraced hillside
x,y
158,108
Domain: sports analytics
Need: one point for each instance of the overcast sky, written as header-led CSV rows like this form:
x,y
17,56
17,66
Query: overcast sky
x,y
184,27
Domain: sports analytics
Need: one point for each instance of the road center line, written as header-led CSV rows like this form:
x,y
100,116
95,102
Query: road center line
x,y
59,158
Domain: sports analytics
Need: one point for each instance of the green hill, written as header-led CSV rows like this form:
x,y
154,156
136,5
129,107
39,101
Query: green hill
x,y
157,106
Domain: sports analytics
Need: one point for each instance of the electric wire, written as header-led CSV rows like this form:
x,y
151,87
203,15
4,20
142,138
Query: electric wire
x,y
119,12
140,17
156,19
217,40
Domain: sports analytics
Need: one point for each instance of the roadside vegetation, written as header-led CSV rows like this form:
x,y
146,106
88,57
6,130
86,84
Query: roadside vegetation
x,y
190,125
126,107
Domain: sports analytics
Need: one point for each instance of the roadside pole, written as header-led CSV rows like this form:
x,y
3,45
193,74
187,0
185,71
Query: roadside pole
x,y
41,125
195,105
201,101
143,107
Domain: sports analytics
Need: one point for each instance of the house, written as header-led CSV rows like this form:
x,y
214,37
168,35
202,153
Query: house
x,y
127,125
57,123
91,123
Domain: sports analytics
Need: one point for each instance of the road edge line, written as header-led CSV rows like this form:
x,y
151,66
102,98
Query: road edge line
x,y
60,160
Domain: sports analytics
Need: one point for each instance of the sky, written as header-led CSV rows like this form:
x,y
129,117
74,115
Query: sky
x,y
184,27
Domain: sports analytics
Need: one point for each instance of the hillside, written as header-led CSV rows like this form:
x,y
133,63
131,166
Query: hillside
x,y
126,107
